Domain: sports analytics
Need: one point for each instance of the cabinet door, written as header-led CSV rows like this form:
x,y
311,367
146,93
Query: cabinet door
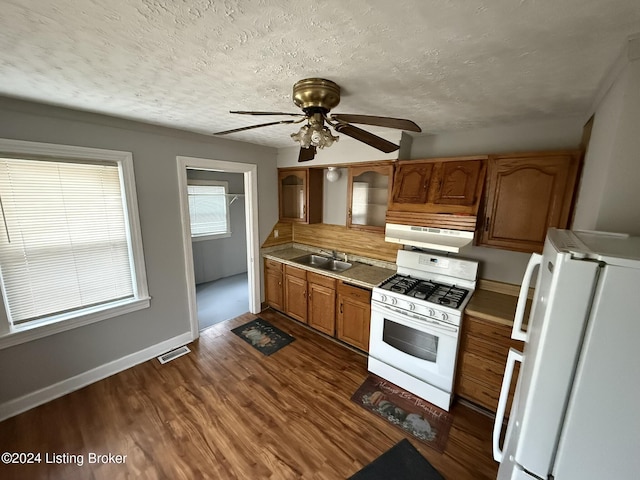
x,y
300,195
456,183
368,196
528,194
322,308
411,183
293,195
274,294
295,297
354,315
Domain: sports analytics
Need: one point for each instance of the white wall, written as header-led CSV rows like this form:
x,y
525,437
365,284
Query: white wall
x,y
28,368
335,199
550,134
222,257
609,196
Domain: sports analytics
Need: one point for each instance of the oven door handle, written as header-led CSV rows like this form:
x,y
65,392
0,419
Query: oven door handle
x,y
439,325
406,319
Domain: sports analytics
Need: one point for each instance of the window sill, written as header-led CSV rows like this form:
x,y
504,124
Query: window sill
x,y
27,333
203,238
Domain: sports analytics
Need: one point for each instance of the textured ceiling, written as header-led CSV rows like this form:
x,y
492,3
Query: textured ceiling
x,y
445,64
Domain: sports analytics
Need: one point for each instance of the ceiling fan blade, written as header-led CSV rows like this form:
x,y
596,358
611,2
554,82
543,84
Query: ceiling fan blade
x,y
307,154
366,137
242,129
244,112
388,122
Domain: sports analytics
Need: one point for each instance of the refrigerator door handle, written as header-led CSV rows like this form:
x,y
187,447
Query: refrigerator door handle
x,y
517,333
513,357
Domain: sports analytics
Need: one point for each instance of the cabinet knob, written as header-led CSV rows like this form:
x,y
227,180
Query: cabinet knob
x,y
486,224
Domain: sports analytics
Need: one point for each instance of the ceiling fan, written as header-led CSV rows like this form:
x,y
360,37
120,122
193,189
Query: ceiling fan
x,y
316,97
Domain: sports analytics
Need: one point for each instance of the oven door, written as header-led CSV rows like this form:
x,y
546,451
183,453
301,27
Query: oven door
x,y
425,349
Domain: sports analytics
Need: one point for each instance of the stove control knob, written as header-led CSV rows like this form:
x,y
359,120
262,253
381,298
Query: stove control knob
x,y
383,298
444,316
412,306
431,312
393,301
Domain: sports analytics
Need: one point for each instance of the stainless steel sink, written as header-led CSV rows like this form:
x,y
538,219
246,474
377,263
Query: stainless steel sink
x,y
323,263
336,265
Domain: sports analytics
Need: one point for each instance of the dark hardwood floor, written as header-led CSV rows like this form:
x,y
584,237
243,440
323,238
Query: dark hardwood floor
x,y
226,411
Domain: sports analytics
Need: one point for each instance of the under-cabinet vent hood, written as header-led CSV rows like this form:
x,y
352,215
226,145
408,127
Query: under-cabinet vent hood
x,y
438,239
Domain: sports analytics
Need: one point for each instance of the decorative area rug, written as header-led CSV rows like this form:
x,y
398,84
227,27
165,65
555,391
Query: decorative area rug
x,y
263,336
400,462
417,417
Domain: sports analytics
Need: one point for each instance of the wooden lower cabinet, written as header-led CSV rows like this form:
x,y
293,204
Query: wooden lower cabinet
x,y
354,315
484,347
328,305
273,290
322,303
295,293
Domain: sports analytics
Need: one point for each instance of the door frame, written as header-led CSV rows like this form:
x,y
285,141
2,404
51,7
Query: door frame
x,y
250,172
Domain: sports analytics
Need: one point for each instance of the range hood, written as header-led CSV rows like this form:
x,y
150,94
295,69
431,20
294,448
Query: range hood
x,y
439,239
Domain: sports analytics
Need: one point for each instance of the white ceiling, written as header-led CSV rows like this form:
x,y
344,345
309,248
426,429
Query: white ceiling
x,y
445,64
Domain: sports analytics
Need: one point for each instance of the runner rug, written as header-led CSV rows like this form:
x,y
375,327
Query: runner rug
x,y
263,336
417,417
400,462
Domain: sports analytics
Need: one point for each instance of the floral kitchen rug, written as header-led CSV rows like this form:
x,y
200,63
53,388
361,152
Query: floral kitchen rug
x,y
263,336
416,416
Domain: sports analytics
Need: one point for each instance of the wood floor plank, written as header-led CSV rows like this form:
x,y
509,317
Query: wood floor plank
x,y
226,411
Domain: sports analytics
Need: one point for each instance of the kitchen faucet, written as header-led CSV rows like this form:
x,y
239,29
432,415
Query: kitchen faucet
x,y
334,254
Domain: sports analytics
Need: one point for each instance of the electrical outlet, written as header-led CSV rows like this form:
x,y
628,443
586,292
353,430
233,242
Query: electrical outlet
x,y
275,234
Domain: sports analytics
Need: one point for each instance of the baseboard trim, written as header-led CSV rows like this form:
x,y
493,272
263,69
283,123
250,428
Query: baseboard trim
x,y
46,394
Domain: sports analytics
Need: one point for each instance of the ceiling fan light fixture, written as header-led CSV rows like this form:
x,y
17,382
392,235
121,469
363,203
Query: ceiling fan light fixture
x,y
314,134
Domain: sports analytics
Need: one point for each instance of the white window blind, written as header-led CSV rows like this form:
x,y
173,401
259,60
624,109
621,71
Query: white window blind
x,y
64,241
208,210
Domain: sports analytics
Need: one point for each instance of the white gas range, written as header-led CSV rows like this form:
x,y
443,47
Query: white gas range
x,y
415,323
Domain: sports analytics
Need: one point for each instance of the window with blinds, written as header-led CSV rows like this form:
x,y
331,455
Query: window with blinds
x,y
70,242
208,209
63,243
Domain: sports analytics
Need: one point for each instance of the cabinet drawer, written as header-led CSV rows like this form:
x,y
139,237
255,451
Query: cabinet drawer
x,y
480,381
272,264
494,351
295,271
483,370
321,280
356,293
478,392
491,331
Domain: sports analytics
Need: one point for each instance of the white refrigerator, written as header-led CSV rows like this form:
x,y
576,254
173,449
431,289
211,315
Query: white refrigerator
x,y
576,409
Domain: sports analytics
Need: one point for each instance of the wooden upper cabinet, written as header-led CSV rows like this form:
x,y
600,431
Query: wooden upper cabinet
x,y
411,182
300,195
526,195
368,195
439,192
456,183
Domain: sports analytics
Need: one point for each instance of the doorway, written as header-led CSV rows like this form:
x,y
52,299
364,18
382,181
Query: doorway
x,y
206,168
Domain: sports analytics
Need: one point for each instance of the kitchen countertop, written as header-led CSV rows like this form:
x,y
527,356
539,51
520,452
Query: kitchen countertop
x,y
491,301
496,306
360,274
